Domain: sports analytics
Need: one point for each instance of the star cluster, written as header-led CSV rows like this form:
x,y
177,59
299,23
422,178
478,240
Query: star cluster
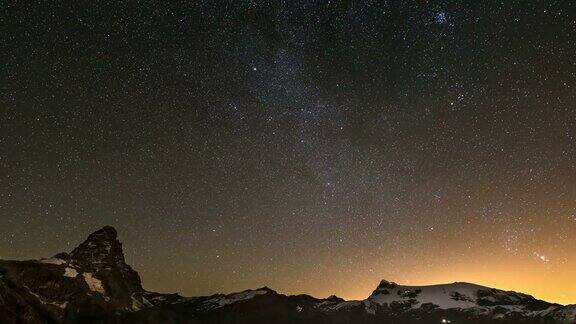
x,y
310,146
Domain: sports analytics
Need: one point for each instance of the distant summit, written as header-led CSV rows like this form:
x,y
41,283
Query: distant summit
x,y
101,246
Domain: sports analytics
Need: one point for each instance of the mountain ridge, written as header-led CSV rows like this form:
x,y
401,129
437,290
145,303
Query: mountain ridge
x,y
94,284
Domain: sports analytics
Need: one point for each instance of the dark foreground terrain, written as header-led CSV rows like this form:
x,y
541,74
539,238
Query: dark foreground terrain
x,y
93,284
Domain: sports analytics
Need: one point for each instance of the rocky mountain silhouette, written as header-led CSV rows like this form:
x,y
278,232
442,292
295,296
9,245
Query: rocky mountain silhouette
x,y
93,284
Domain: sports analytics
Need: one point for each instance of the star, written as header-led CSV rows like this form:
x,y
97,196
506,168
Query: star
x,y
441,17
541,257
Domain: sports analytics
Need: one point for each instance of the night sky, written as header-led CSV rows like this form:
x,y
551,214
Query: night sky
x,y
309,146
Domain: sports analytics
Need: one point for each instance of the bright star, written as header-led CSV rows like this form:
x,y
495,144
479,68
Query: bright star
x,y
541,257
441,17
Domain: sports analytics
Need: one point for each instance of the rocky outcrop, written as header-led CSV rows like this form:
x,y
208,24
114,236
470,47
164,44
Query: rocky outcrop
x,y
89,283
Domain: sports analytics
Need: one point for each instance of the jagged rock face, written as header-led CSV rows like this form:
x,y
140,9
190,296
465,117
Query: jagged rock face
x,y
100,250
91,282
101,254
16,308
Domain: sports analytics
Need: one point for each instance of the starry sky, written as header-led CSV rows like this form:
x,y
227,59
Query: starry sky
x,y
309,146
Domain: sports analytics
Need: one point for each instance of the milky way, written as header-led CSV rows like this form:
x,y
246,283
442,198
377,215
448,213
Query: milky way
x,y
310,146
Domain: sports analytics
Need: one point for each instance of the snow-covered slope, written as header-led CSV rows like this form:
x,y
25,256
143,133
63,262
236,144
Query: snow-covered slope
x,y
445,296
221,300
469,298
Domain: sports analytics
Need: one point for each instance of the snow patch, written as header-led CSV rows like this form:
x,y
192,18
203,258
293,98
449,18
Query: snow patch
x,y
567,314
56,261
221,301
70,272
140,304
447,296
45,302
346,304
329,305
93,283
369,307
136,304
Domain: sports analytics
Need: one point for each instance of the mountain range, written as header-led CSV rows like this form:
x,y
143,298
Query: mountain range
x,y
93,284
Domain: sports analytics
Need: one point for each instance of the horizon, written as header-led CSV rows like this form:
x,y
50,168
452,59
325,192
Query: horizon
x,y
314,146
296,291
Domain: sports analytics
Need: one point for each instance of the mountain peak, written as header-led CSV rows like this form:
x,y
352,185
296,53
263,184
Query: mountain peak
x,y
334,298
266,288
386,284
101,247
107,232
102,254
